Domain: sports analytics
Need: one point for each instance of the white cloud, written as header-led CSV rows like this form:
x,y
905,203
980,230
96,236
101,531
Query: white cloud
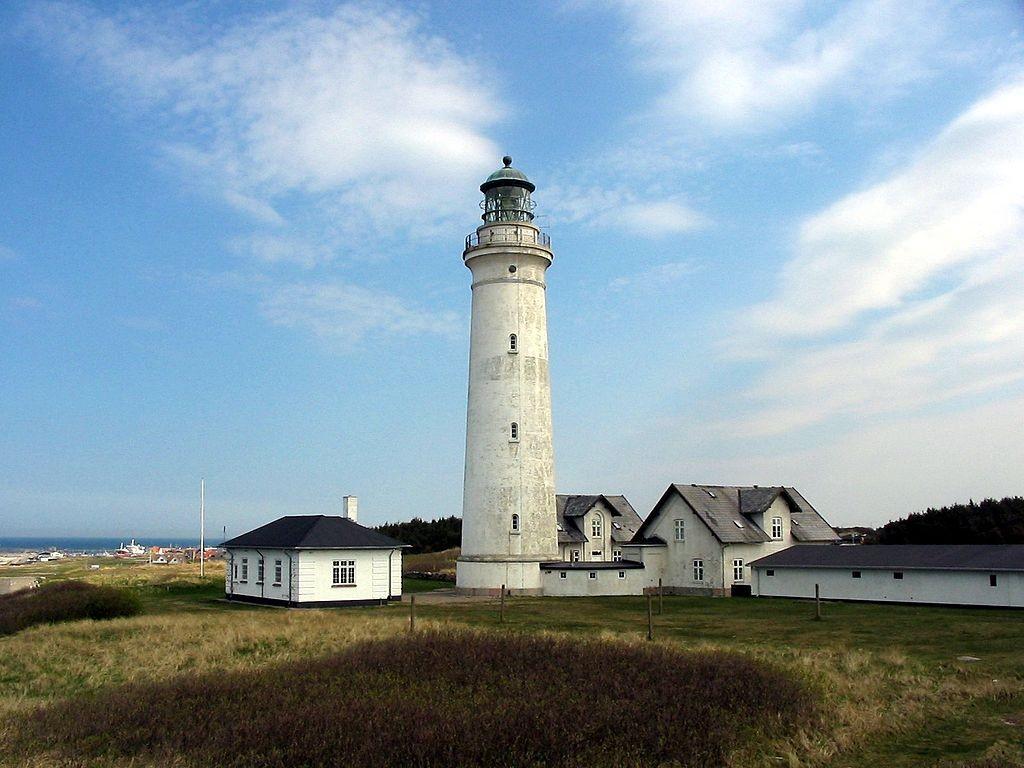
x,y
659,276
344,315
907,293
644,214
280,249
359,108
659,217
744,65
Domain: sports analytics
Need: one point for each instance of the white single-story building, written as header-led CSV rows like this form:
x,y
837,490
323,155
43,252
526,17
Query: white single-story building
x,y
314,561
953,574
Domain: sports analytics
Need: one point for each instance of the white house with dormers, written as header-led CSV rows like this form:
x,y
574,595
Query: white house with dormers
x,y
314,561
701,539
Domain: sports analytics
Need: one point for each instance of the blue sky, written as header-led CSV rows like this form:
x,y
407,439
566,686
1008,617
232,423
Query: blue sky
x,y
788,242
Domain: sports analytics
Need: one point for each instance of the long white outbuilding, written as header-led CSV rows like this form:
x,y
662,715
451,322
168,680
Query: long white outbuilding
x,y
954,574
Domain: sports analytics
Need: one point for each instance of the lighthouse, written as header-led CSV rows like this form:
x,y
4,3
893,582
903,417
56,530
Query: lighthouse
x,y
508,506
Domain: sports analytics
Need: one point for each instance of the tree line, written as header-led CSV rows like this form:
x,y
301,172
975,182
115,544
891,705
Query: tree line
x,y
990,522
426,535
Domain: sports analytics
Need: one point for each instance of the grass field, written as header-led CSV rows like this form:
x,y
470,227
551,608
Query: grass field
x,y
893,690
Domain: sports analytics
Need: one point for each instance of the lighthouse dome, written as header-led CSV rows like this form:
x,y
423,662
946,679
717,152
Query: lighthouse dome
x,y
507,177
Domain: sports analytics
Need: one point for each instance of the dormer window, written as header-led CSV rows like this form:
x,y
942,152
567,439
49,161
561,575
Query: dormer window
x,y
513,344
513,432
595,527
776,527
515,523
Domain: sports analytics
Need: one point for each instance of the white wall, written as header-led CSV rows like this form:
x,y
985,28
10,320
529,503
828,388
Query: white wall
x,y
577,583
916,586
311,575
699,544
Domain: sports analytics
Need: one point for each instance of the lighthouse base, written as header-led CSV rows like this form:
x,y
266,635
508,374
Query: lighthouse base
x,y
476,577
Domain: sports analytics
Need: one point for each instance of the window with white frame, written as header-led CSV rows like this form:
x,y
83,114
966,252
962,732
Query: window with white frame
x,y
596,554
561,574
622,574
277,571
698,570
259,571
234,571
595,527
575,555
245,569
343,572
680,529
593,574
513,433
737,570
776,527
515,523
616,555
513,343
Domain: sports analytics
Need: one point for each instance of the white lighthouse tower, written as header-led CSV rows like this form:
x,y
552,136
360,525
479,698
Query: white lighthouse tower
x,y
508,508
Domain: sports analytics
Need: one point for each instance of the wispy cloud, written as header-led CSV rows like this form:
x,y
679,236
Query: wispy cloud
x,y
656,277
907,293
745,65
345,107
344,315
645,213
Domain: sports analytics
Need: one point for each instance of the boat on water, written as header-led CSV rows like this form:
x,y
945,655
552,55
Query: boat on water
x,y
132,549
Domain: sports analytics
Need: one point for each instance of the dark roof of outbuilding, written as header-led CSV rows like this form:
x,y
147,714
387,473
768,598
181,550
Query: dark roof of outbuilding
x,y
314,532
599,565
570,507
957,557
727,511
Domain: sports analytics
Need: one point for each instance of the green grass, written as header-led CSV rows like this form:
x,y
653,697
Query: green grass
x,y
895,693
410,585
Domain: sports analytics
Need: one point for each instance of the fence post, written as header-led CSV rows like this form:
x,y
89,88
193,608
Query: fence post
x,y
501,615
817,603
650,619
412,613
661,599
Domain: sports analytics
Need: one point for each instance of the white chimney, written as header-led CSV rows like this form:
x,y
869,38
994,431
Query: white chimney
x,y
349,508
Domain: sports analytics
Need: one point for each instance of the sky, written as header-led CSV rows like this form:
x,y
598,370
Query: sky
x,y
788,236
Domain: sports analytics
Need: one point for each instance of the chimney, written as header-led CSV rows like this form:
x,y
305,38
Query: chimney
x,y
349,507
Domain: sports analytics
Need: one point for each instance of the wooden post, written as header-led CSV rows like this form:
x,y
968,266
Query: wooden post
x,y
650,618
501,614
412,612
661,599
817,603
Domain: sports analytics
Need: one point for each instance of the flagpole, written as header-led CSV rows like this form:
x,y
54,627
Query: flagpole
x,y
202,527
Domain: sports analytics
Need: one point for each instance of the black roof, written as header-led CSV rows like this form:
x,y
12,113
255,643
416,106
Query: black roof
x,y
314,532
569,508
947,557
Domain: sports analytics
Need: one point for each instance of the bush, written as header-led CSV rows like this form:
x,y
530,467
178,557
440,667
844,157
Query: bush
x,y
64,601
439,699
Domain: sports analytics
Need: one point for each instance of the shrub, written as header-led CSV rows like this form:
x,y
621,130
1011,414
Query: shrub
x,y
64,601
440,699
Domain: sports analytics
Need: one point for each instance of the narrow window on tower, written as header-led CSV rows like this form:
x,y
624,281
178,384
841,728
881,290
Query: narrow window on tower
x,y
513,344
513,433
515,523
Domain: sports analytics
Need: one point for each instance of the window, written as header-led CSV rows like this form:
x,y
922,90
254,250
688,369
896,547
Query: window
x,y
856,574
234,571
575,555
897,574
622,574
680,528
343,572
277,571
595,527
513,343
259,571
710,493
559,527
616,555
737,570
562,574
616,526
245,569
737,523
593,575
515,523
770,572
776,527
513,433
992,580
698,570
596,554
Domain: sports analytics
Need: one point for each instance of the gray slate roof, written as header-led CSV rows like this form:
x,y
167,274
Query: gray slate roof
x,y
956,557
313,532
727,509
570,507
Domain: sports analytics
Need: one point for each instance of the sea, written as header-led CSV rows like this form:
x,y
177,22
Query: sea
x,y
91,545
